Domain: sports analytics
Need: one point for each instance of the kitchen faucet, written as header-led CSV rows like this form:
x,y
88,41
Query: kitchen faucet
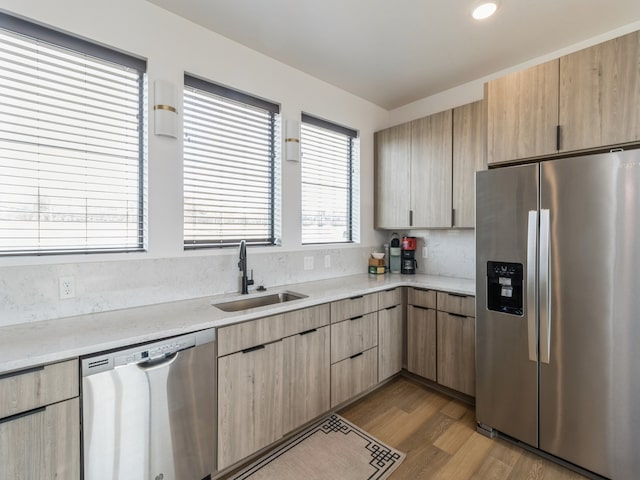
x,y
242,266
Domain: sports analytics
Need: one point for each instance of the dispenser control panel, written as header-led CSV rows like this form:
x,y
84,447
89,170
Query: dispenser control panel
x,y
504,287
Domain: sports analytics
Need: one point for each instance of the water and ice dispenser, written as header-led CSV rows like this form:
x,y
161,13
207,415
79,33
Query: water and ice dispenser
x,y
504,287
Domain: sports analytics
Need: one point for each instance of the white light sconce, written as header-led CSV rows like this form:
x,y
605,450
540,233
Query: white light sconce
x,y
292,140
164,109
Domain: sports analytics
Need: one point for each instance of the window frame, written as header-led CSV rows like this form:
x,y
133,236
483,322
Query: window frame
x,y
81,47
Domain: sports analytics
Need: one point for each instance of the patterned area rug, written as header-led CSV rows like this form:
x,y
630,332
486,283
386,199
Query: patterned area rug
x,y
331,449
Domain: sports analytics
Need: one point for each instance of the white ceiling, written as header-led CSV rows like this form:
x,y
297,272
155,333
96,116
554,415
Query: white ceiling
x,y
395,52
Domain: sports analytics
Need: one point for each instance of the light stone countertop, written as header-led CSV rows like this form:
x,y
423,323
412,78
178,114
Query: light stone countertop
x,y
36,343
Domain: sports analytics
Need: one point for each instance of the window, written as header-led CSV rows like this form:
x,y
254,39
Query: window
x,y
329,181
229,166
71,144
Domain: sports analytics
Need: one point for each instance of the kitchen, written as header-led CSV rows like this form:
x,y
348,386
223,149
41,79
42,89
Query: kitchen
x,y
166,273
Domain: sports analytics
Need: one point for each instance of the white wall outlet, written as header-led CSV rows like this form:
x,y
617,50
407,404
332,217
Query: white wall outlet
x,y
424,252
66,287
327,261
308,263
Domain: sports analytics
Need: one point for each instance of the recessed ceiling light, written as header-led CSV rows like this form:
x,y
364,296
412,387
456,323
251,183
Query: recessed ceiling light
x,y
484,10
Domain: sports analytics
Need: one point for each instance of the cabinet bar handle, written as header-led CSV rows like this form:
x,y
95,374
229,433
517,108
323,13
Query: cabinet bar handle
x,y
558,131
411,218
253,349
356,297
460,295
391,308
390,290
422,289
421,307
307,332
356,318
457,315
22,414
356,355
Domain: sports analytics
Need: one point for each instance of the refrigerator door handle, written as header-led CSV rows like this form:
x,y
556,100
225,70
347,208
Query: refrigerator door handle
x,y
545,288
531,284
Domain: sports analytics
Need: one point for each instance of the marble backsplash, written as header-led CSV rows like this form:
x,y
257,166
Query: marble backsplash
x,y
31,293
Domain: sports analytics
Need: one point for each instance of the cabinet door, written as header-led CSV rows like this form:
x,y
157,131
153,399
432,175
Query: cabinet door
x,y
390,342
468,158
42,444
431,170
353,376
600,94
307,377
522,113
456,352
249,401
421,341
353,336
393,177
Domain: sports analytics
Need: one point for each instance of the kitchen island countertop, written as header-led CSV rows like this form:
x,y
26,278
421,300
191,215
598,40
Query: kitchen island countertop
x,y
30,344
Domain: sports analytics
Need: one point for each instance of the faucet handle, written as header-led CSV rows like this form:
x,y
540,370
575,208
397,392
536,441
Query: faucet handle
x,y
250,280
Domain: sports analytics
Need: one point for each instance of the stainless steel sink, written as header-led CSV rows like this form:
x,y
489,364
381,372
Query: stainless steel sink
x,y
261,301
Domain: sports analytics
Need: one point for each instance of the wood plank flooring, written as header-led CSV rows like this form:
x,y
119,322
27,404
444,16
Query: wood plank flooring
x,y
439,436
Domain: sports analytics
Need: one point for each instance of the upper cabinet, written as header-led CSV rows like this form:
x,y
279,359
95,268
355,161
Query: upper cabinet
x,y
589,99
468,158
425,171
600,95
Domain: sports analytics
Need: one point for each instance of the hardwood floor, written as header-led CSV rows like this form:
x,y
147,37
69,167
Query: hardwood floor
x,y
440,439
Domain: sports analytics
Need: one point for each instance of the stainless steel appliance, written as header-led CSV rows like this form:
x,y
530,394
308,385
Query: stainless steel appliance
x,y
148,412
558,308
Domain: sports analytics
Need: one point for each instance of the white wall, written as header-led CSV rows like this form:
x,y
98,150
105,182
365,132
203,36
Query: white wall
x,y
172,46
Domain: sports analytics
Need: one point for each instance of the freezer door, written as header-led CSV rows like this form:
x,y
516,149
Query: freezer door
x,y
590,387
506,367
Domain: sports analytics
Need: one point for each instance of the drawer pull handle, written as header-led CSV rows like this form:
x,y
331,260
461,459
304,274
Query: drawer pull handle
x,y
391,308
253,349
460,295
356,355
421,307
356,297
22,414
457,315
390,290
22,372
356,318
307,332
422,289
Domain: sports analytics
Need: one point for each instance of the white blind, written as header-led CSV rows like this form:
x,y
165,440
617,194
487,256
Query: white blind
x,y
229,156
70,150
327,180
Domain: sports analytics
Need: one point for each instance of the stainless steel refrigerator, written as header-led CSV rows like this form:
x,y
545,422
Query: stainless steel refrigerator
x,y
558,308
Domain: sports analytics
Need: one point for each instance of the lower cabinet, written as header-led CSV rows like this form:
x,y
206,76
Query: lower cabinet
x,y
250,395
353,375
421,341
456,352
40,423
307,377
390,342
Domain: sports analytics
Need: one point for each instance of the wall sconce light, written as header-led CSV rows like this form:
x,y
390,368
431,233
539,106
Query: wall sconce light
x,y
165,112
292,140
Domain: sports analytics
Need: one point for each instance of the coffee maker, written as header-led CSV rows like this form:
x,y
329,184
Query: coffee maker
x,y
409,263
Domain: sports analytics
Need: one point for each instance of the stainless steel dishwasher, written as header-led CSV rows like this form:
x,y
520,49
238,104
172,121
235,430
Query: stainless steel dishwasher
x,y
148,412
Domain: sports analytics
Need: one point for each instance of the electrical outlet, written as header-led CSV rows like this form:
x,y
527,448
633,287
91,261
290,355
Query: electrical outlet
x,y
67,287
327,261
308,263
424,252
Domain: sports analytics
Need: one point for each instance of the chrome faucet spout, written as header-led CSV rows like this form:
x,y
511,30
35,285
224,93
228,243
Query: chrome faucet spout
x,y
242,266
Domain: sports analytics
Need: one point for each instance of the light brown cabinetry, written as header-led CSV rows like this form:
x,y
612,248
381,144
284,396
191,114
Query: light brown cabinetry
x,y
586,100
421,341
600,95
390,334
522,113
353,376
446,149
468,158
267,389
431,170
250,394
393,176
456,342
353,336
353,307
40,423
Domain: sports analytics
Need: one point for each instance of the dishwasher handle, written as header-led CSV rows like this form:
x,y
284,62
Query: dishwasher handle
x,y
157,362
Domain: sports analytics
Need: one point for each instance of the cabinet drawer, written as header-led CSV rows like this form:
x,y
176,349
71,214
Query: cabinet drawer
x,y
353,307
353,336
249,334
422,297
457,303
353,376
389,298
36,387
306,319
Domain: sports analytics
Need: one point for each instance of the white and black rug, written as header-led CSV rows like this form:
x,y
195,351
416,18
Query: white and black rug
x,y
331,449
